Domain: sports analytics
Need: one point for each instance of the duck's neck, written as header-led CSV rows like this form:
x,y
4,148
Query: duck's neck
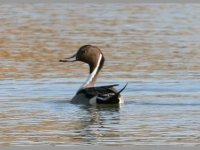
x,y
94,70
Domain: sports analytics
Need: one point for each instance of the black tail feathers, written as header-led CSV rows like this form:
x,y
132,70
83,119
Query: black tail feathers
x,y
121,89
114,99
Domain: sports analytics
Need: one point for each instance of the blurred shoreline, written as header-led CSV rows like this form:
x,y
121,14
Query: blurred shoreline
x,y
102,1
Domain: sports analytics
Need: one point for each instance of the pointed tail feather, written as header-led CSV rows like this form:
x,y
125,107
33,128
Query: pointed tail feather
x,y
121,89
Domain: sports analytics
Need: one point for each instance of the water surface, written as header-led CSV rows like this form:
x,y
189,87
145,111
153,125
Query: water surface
x,y
153,47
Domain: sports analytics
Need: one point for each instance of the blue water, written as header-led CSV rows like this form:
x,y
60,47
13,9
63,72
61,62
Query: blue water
x,y
154,113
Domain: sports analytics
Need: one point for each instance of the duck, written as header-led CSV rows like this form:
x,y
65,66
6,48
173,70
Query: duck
x,y
88,93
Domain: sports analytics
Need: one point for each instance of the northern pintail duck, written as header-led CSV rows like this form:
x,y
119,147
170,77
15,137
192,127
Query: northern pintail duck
x,y
88,92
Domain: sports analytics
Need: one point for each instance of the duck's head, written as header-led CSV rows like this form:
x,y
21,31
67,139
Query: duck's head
x,y
89,54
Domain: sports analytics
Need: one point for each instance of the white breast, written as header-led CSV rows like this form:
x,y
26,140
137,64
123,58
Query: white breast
x,y
121,100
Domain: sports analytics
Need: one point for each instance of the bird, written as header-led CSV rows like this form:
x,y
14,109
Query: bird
x,y
88,93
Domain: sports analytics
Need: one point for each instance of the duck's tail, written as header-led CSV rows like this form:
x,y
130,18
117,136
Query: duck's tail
x,y
121,90
114,99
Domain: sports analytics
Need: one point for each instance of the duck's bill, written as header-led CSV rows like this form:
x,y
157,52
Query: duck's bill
x,y
70,59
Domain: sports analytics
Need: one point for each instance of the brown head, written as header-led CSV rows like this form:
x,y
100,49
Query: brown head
x,y
88,54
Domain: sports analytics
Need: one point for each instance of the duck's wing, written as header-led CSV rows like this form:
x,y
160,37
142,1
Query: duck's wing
x,y
114,98
99,90
106,86
103,94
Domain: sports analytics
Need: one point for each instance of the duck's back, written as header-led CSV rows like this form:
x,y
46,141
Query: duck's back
x,y
102,94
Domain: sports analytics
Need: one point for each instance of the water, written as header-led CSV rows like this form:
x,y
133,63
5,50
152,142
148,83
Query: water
x,y
153,47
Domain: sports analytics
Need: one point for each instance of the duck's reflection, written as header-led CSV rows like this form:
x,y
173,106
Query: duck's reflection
x,y
100,123
83,124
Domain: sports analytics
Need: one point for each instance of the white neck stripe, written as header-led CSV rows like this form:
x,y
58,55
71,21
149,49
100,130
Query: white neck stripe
x,y
91,76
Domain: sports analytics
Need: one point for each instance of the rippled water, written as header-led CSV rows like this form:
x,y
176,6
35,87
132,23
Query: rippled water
x,y
153,47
